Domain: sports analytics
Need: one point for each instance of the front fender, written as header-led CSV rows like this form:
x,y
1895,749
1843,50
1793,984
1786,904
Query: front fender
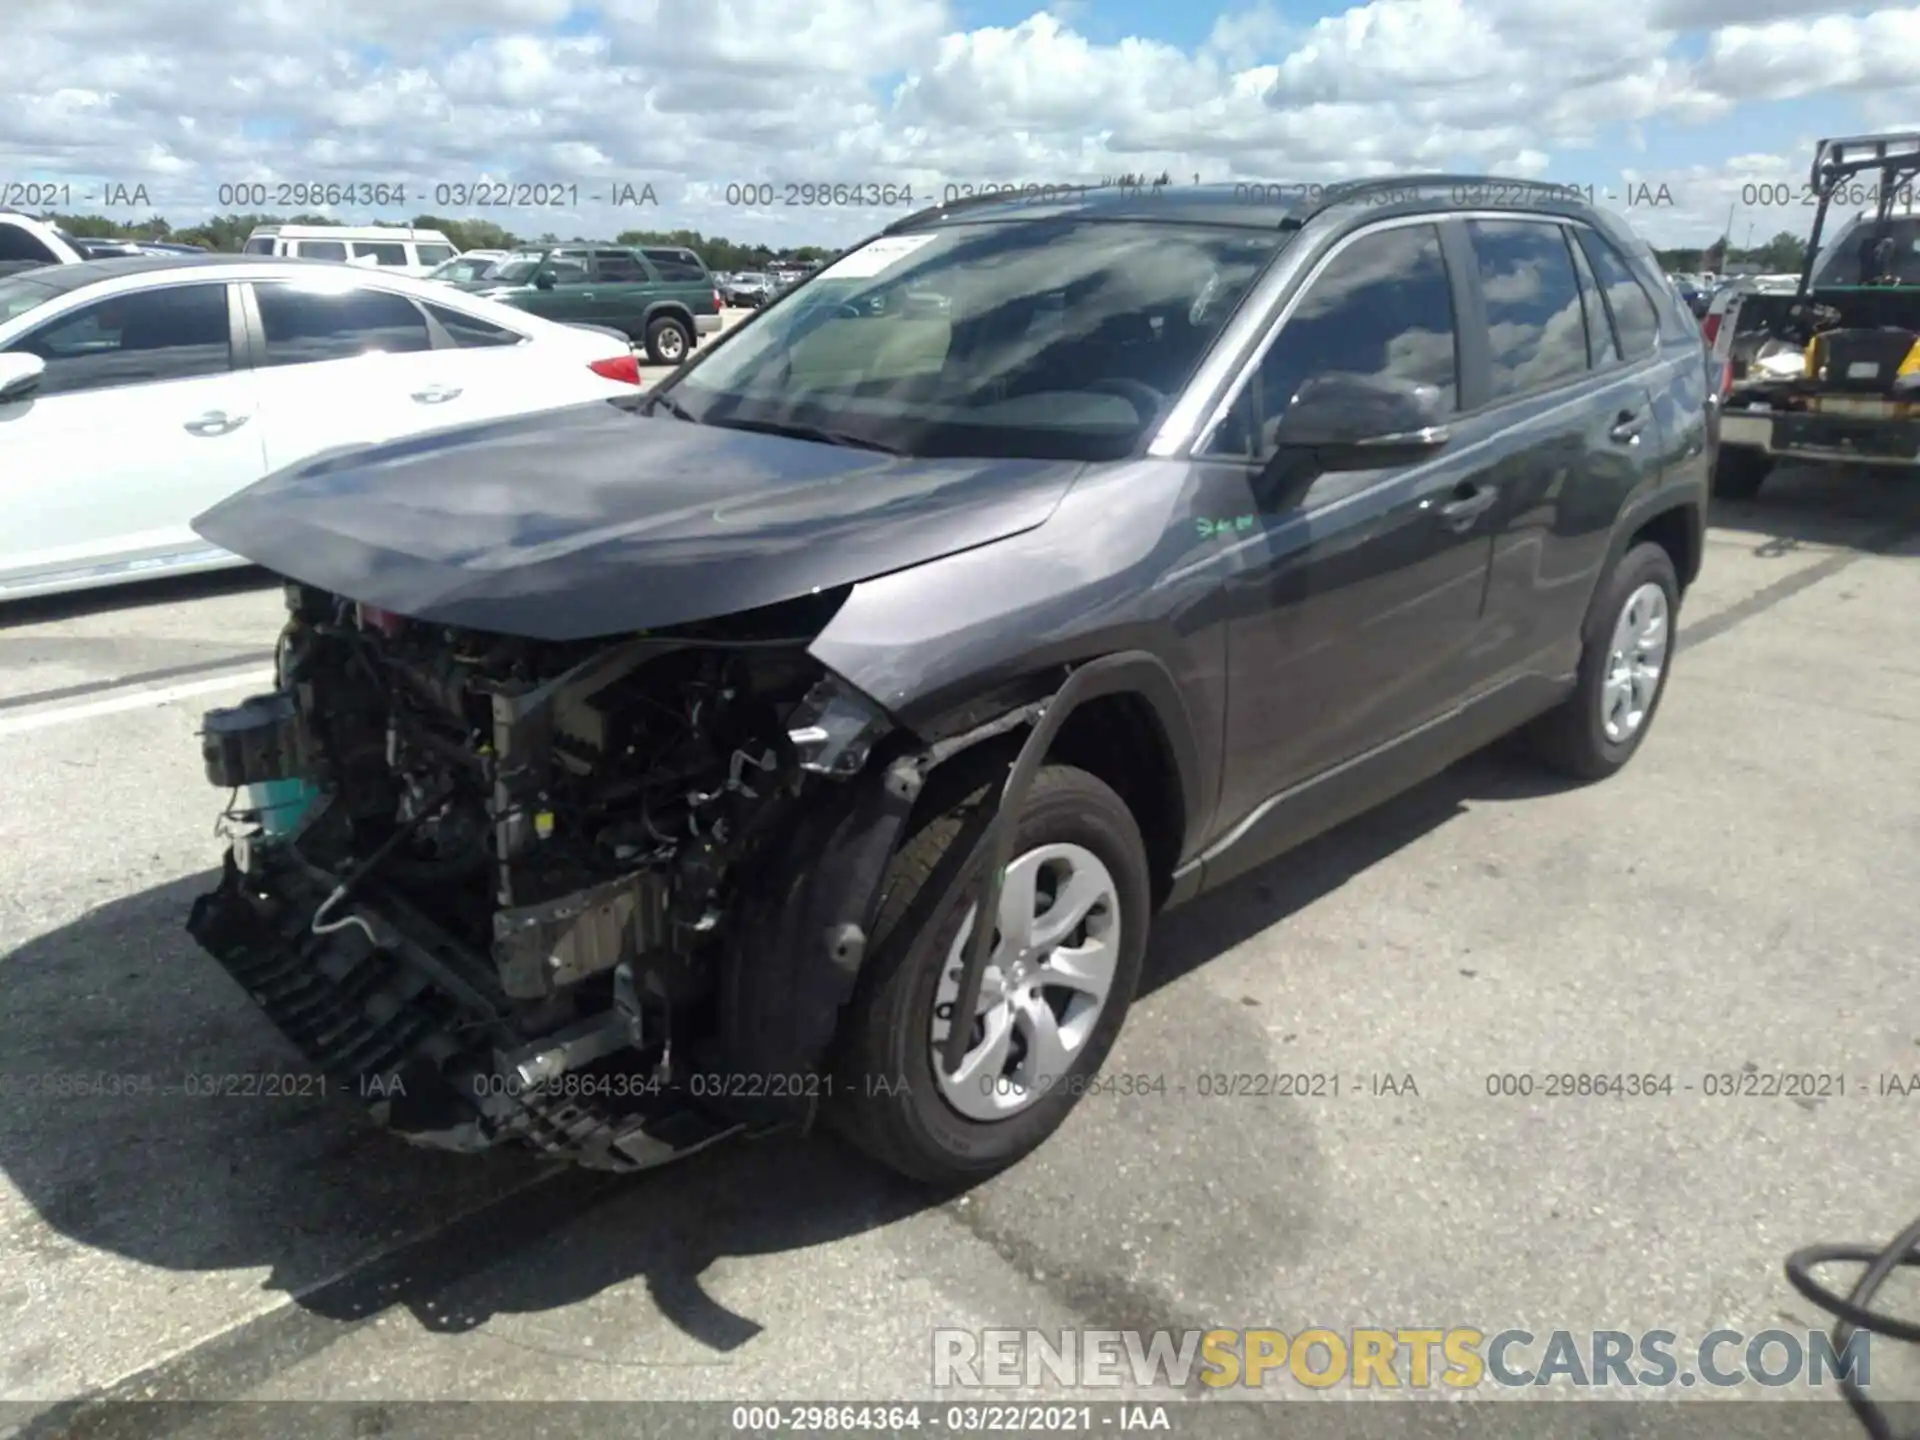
x,y
801,937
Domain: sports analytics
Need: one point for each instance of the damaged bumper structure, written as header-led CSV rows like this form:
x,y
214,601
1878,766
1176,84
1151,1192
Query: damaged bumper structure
x,y
602,898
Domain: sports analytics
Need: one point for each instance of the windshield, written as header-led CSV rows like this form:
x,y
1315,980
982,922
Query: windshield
x,y
1867,252
1058,339
464,269
21,293
515,271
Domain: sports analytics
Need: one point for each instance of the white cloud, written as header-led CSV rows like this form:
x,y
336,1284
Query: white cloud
x,y
183,95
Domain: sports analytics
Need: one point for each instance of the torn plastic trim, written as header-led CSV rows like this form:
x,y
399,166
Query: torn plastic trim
x,y
993,849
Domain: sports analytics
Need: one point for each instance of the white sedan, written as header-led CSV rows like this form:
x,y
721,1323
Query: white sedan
x,y
135,393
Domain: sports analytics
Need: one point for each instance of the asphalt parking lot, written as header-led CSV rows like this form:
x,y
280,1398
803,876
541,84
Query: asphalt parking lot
x,y
1740,898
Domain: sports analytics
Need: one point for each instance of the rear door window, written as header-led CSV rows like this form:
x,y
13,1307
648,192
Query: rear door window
x,y
1603,347
1536,325
620,267
306,326
321,249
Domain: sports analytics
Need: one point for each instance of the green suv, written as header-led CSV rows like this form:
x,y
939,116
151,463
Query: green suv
x,y
659,298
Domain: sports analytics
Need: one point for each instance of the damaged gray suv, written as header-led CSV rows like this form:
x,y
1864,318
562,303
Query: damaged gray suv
x,y
639,773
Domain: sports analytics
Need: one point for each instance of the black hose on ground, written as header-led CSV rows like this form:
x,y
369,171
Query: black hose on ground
x,y
1854,1310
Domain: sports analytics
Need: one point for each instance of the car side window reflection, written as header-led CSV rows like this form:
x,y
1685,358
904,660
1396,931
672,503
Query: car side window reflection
x,y
174,333
1535,321
1603,347
1382,307
304,326
1634,314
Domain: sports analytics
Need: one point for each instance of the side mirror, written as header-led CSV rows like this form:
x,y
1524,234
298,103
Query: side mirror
x,y
543,281
20,376
1359,422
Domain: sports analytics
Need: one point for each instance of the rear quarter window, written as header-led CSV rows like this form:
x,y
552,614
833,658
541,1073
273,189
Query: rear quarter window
x,y
677,268
1636,318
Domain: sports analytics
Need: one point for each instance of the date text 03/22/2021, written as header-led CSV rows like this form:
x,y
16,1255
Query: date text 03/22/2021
x,y
479,194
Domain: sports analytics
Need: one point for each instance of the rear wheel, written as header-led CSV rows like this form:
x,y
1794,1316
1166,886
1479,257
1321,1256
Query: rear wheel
x,y
1065,959
1739,472
1623,670
667,341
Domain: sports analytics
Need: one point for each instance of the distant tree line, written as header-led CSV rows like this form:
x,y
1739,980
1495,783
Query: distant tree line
x,y
1783,254
229,232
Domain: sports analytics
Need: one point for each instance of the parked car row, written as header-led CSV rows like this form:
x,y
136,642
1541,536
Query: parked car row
x,y
136,391
661,298
27,242
746,289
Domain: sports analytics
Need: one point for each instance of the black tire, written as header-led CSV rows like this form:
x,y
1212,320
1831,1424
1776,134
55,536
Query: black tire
x,y
667,341
1739,472
885,1097
1571,737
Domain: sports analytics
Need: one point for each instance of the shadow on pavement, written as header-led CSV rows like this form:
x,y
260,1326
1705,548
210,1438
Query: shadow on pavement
x,y
352,1223
1824,507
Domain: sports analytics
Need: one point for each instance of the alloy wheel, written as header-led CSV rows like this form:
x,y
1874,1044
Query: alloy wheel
x,y
1046,984
1635,659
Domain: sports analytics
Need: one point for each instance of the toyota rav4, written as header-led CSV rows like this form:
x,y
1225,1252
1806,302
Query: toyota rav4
x,y
643,771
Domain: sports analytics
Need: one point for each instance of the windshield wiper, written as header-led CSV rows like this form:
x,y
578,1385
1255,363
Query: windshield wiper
x,y
808,432
672,406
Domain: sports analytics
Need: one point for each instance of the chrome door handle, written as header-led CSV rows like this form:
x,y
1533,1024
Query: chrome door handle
x,y
437,394
214,422
1468,505
1627,427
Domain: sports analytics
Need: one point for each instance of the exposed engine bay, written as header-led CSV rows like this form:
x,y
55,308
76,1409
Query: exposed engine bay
x,y
490,884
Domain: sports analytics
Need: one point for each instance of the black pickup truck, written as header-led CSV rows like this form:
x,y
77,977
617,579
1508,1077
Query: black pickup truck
x,y
1831,371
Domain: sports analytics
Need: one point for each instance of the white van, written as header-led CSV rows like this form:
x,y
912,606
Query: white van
x,y
394,248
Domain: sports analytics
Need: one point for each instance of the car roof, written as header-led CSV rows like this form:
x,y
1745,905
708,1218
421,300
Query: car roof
x,y
347,232
1258,204
59,279
90,272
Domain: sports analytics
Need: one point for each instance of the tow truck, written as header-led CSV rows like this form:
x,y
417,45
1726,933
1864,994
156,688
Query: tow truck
x,y
1831,371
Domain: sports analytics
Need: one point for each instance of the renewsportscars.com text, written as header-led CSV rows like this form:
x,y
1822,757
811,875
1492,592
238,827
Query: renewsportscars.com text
x,y
1457,1358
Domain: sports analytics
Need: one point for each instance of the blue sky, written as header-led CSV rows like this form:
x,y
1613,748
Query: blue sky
x,y
1705,97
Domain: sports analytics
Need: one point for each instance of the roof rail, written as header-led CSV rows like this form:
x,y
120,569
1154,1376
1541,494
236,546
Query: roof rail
x,y
1838,158
1336,193
1002,197
1341,191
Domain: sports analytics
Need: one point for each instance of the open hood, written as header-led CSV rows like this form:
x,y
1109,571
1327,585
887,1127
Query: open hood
x,y
596,520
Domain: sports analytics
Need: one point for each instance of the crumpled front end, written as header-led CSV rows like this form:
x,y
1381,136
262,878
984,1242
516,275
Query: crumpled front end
x,y
489,884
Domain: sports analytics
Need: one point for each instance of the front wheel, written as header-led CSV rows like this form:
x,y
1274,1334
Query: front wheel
x,y
667,341
1624,664
1065,959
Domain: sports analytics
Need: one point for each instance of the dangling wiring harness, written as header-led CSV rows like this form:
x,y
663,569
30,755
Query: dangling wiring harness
x,y
1854,1311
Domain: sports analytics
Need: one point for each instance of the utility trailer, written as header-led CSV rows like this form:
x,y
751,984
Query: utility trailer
x,y
1831,371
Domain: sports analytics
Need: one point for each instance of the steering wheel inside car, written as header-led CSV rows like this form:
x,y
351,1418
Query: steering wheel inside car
x,y
1142,396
